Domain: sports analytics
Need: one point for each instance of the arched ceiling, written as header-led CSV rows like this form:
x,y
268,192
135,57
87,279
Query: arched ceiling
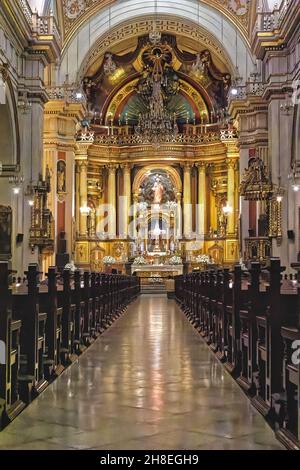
x,y
216,25
75,12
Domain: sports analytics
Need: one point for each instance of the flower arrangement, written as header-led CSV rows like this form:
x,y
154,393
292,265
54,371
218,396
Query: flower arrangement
x,y
175,260
109,260
139,261
242,264
203,259
71,266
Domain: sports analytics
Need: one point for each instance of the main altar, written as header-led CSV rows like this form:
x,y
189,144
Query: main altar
x,y
156,162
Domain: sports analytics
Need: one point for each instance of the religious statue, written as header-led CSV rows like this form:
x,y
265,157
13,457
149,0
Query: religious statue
x,y
61,176
158,190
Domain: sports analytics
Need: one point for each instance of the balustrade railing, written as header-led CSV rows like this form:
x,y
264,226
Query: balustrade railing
x,y
184,139
41,25
270,21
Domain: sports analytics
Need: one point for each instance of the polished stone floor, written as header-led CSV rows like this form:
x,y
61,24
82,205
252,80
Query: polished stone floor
x,y
148,383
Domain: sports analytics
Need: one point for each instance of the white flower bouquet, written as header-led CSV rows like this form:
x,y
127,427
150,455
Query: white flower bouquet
x,y
175,260
203,259
139,261
109,260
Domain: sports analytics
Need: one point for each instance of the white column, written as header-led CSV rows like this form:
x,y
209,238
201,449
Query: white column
x,y
201,212
112,223
187,200
125,209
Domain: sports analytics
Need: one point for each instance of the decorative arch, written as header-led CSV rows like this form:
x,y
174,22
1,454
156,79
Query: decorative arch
x,y
117,101
87,9
9,124
143,172
207,25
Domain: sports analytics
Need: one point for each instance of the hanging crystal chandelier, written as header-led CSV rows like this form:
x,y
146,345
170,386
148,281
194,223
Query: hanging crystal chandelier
x,y
109,65
157,125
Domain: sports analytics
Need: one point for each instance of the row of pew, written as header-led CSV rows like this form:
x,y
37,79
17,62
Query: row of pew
x,y
45,327
251,320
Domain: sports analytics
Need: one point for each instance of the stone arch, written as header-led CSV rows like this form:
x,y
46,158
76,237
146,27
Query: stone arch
x,y
142,174
9,126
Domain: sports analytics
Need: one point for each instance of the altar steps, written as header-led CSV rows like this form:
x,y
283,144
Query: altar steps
x,y
154,289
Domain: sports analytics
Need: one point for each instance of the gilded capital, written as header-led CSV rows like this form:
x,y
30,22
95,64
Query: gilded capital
x,y
112,167
126,167
201,166
187,166
232,164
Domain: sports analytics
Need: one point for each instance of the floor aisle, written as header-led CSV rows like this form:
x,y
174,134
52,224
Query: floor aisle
x,y
148,383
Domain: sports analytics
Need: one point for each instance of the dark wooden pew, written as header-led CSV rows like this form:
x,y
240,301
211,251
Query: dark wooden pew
x,y
289,402
68,346
48,302
253,325
44,327
10,403
32,339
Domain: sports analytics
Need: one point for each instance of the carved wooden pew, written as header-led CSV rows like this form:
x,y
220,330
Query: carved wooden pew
x,y
88,328
48,303
254,304
95,324
10,403
64,301
269,348
232,305
77,300
253,326
32,339
289,430
224,302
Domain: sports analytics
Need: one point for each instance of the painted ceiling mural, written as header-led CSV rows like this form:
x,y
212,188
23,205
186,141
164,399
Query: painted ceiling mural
x,y
74,9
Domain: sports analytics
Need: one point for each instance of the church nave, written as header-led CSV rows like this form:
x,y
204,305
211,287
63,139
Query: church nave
x,y
150,382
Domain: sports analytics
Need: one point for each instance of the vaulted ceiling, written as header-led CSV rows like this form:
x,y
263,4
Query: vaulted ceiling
x,y
74,12
93,27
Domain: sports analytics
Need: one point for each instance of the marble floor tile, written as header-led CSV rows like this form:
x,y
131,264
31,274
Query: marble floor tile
x,y
149,382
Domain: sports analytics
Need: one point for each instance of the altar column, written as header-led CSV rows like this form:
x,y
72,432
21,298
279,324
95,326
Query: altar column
x,y
179,217
99,211
112,222
127,195
201,212
83,197
135,211
231,224
77,197
187,201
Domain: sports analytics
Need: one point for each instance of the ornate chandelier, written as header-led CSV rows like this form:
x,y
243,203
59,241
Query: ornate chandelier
x,y
157,125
